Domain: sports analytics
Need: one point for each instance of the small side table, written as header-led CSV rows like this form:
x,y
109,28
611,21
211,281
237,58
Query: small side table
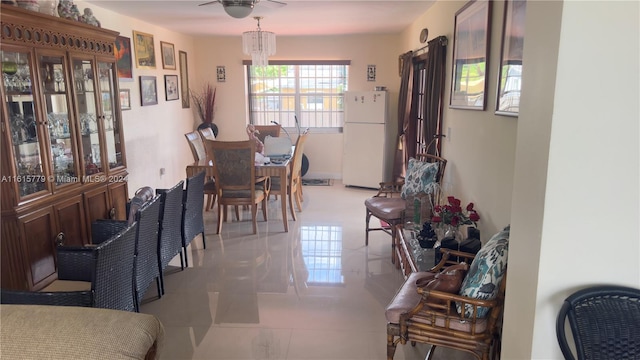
x,y
411,256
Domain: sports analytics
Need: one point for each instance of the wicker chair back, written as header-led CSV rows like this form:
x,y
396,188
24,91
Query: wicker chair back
x,y
146,260
192,212
170,231
604,322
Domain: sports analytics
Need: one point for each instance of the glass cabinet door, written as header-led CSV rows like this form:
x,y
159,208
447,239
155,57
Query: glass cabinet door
x,y
83,74
23,130
106,73
56,106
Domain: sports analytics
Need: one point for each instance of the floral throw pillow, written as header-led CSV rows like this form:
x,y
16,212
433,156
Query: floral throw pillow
x,y
486,272
421,178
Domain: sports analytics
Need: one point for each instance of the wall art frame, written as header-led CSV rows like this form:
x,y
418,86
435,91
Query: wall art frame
x,y
125,99
471,38
168,55
145,50
171,88
122,51
148,90
184,79
510,73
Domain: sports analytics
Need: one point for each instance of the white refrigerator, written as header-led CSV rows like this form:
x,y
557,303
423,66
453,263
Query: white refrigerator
x,y
369,139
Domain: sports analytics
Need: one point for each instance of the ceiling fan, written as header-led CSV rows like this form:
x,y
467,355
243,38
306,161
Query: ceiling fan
x,y
241,8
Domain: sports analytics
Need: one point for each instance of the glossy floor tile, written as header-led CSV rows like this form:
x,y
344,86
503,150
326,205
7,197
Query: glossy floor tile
x,y
315,292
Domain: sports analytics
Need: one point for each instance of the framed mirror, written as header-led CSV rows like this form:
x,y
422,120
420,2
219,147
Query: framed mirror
x,y
470,55
510,77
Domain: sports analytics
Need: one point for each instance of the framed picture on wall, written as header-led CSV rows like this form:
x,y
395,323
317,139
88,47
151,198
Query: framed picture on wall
x,y
168,55
148,90
122,52
470,56
171,87
145,50
184,79
509,80
125,99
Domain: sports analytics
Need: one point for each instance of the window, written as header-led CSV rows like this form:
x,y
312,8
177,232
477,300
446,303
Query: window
x,y
312,91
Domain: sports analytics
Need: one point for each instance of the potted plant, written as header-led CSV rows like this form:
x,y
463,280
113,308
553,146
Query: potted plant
x,y
205,107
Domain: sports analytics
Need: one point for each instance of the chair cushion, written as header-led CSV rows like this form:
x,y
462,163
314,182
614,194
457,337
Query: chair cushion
x,y
407,296
421,178
386,208
67,285
486,272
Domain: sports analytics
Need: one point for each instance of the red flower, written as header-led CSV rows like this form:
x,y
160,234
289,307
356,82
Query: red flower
x,y
436,219
453,201
473,216
437,208
470,207
454,221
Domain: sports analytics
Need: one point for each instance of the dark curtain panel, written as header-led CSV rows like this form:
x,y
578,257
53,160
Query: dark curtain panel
x,y
404,111
434,94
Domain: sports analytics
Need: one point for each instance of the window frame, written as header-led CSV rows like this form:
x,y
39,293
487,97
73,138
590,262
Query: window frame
x,y
298,95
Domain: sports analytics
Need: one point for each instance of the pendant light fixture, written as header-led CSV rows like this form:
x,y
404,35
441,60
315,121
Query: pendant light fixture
x,y
259,44
238,8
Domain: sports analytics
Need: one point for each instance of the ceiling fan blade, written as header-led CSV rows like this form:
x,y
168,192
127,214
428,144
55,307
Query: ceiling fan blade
x,y
272,4
209,3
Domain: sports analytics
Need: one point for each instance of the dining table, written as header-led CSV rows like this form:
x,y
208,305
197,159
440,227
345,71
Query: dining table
x,y
280,169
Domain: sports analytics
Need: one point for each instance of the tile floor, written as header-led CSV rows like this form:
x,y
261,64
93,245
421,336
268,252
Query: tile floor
x,y
315,292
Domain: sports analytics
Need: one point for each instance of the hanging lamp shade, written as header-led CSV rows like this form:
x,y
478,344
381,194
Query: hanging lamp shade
x,y
259,44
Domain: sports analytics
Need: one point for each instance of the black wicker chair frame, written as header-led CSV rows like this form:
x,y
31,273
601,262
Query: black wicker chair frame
x,y
146,268
192,212
170,232
107,266
604,321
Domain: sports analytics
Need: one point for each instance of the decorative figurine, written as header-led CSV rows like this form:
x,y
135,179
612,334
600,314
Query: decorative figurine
x,y
66,10
251,132
88,18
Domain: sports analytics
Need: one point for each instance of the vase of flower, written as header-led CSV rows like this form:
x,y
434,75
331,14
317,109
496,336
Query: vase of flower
x,y
205,102
449,217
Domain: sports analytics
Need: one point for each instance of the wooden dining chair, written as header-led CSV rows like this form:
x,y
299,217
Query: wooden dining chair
x,y
293,184
196,144
235,176
207,134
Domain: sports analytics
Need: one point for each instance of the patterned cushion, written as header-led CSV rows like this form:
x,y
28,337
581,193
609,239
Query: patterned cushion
x,y
421,178
486,272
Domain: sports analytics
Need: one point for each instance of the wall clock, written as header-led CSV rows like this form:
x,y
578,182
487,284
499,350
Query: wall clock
x,y
424,34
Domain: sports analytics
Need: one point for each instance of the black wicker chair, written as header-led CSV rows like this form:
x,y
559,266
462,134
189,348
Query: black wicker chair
x,y
604,321
106,266
192,212
146,268
170,232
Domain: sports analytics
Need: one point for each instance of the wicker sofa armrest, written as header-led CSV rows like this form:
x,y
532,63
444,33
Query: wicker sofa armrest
x,y
76,263
452,257
62,298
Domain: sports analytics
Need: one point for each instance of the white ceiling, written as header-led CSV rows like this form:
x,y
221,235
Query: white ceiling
x,y
298,17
